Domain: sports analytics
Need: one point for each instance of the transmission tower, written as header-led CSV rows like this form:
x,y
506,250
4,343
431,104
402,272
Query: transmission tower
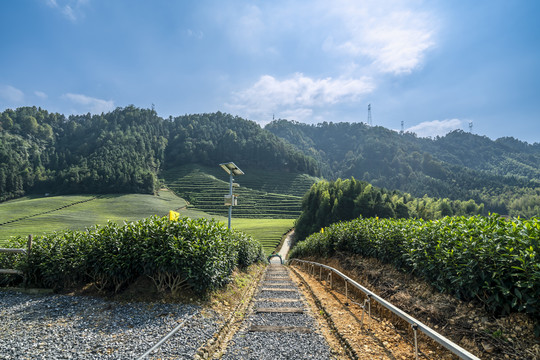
x,y
369,115
470,126
402,127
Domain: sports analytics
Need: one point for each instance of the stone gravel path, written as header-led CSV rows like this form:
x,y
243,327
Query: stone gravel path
x,y
268,333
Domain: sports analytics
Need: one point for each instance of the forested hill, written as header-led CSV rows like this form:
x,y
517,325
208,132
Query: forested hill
x,y
122,151
504,174
210,139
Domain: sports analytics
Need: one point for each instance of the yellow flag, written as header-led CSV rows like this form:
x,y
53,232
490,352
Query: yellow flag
x,y
173,215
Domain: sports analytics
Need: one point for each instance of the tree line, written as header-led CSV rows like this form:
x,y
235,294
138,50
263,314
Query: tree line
x,y
503,174
329,202
123,151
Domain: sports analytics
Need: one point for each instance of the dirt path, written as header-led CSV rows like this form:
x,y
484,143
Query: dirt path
x,y
369,338
284,251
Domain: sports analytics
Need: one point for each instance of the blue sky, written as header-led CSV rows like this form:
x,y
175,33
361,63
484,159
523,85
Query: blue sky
x,y
435,65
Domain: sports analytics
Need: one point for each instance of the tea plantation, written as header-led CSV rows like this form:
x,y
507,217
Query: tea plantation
x,y
261,194
38,215
489,259
198,254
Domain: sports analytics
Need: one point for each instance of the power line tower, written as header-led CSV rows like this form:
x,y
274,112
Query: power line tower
x,y
402,127
369,115
470,126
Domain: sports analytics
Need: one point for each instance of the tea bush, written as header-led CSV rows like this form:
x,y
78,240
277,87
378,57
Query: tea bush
x,y
486,258
199,254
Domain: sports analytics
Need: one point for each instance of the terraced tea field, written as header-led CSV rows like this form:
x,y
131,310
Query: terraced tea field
x,y
261,194
37,215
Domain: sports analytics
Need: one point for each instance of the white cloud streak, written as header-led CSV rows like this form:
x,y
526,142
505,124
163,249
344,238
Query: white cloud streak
x,y
436,127
11,94
297,94
40,94
71,9
95,106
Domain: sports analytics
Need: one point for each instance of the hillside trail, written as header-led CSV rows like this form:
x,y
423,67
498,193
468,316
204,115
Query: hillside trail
x,y
285,247
334,314
279,324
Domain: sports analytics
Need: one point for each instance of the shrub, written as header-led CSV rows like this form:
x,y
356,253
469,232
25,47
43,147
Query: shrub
x,y
199,254
486,258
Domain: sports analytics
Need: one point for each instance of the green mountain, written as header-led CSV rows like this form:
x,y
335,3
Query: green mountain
x,y
126,150
503,174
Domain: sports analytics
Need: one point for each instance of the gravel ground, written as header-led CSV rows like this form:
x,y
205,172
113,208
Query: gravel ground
x,y
278,345
270,282
76,327
282,319
273,287
275,304
278,295
275,275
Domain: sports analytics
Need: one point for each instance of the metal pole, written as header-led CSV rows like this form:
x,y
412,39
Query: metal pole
x,y
415,328
230,194
160,342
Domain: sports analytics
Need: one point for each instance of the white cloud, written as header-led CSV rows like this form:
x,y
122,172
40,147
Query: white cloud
x,y
297,94
360,42
436,127
68,12
300,114
40,94
196,34
71,9
11,94
387,36
95,106
393,35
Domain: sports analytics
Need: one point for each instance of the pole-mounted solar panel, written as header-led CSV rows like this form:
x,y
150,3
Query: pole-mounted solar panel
x,y
230,200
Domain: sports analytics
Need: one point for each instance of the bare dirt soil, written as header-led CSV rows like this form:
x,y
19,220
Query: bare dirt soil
x,y
465,323
368,338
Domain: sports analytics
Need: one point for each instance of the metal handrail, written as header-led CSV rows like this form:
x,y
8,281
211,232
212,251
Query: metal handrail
x,y
443,341
16,251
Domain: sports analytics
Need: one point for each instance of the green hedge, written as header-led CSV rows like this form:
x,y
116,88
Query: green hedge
x,y
486,258
200,254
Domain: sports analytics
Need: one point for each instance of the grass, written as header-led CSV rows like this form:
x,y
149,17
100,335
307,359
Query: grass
x,y
38,215
268,204
267,231
49,214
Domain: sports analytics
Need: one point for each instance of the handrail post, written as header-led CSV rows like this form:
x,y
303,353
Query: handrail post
x,y
29,244
346,293
369,309
415,328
